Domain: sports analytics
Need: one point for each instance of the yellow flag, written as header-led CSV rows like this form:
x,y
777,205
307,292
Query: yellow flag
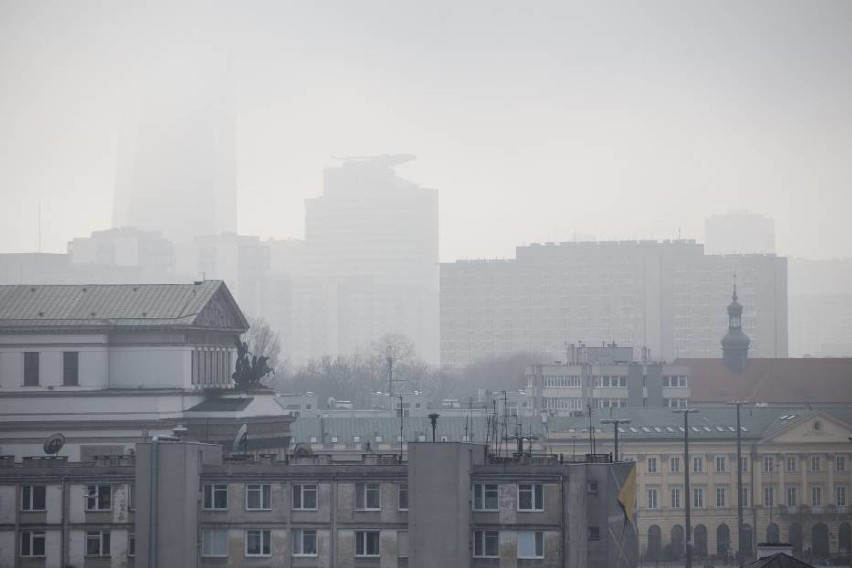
x,y
627,495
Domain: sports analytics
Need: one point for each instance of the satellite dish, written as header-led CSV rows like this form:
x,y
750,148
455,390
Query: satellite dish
x,y
331,402
302,450
241,439
53,444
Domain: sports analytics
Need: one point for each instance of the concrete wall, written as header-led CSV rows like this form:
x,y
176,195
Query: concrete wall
x,y
92,351
163,366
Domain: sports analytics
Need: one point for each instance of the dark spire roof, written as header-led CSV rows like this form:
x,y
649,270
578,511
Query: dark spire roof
x,y
735,343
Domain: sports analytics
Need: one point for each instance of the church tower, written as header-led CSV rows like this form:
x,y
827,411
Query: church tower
x,y
735,343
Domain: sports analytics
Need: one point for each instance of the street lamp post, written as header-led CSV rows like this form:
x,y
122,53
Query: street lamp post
x,y
686,412
615,422
740,539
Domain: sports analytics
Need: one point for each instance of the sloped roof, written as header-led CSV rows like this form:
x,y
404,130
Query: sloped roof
x,y
121,305
776,381
778,560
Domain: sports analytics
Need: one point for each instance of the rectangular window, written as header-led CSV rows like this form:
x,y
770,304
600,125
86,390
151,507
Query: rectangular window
x,y
31,371
32,543
652,498
721,464
33,498
304,542
792,500
698,464
214,542
816,496
70,368
131,497
97,543
840,463
305,496
368,496
403,497
257,543
674,465
99,498
258,497
215,497
816,463
840,496
594,533
675,498
768,496
746,497
768,464
530,544
698,497
131,544
366,543
402,544
530,497
652,465
744,465
721,498
790,463
484,496
486,544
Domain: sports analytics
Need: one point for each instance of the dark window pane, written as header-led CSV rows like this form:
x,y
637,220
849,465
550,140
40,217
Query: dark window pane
x,y
70,368
31,360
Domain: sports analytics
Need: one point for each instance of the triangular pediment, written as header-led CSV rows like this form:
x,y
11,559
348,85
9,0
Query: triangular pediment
x,y
221,312
816,428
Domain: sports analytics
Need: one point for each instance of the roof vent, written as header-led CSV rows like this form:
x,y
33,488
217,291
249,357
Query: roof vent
x,y
41,314
32,289
144,314
92,314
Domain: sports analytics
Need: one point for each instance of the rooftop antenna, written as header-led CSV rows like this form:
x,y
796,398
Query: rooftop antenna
x,y
401,424
39,225
591,430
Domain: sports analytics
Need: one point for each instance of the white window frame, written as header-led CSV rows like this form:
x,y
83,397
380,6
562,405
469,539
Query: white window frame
x,y
697,464
651,465
212,540
535,541
721,497
481,541
768,464
262,492
840,496
816,463
103,540
264,540
674,464
402,490
211,491
792,492
676,498
768,496
94,497
363,541
481,492
28,498
721,464
403,551
791,464
300,537
363,493
304,490
746,496
31,538
653,494
536,496
816,495
697,497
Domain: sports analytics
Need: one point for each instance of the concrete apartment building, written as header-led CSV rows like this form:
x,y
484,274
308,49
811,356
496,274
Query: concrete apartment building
x,y
450,504
661,296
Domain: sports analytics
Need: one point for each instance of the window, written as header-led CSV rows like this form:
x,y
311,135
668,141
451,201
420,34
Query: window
x,y
675,498
592,487
840,463
698,497
744,465
594,533
674,464
99,498
840,496
97,543
131,544
816,496
366,543
131,497
402,544
721,498
530,544
652,465
486,544
698,464
368,496
768,496
214,542
816,463
791,496
305,496
70,369
484,496
403,497
790,463
530,497
768,464
652,498
721,464
33,498
304,542
746,497
258,497
257,543
31,374
32,543
216,497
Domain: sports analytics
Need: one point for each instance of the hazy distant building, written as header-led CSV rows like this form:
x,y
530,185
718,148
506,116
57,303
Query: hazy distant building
x,y
662,296
128,247
739,232
820,307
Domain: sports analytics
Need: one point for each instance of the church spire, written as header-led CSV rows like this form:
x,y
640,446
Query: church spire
x,y
735,343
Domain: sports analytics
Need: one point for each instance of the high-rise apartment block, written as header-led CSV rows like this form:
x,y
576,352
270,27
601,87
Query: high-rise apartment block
x,y
663,297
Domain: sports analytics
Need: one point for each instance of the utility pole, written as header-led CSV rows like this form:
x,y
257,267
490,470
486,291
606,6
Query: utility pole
x,y
615,422
688,521
740,539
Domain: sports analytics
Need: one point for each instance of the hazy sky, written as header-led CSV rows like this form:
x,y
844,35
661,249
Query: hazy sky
x,y
536,121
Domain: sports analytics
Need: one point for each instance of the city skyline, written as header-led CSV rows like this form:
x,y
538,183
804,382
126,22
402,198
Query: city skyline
x,y
534,125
